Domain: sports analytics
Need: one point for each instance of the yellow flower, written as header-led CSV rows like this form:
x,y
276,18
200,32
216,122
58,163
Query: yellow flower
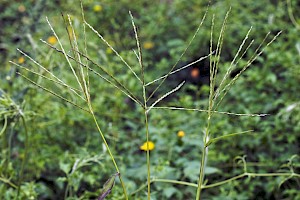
x,y
180,134
21,60
52,40
97,8
146,147
21,8
148,45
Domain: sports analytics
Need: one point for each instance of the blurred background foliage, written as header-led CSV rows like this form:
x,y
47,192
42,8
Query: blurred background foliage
x,y
60,136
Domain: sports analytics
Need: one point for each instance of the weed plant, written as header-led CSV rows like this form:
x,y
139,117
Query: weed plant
x,y
79,93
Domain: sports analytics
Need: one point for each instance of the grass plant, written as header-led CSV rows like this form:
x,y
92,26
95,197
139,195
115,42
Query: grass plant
x,y
82,66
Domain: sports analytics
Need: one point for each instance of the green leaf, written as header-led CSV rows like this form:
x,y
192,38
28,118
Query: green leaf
x,y
65,167
211,170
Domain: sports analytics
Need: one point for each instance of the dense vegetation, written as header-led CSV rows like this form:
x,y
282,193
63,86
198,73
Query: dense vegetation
x,y
51,149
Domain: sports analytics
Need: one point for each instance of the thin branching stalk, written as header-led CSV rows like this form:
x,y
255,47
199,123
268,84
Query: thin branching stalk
x,y
140,59
214,69
210,105
177,70
85,49
74,90
53,93
183,53
65,54
85,90
45,69
216,112
229,70
252,59
165,95
75,51
117,83
118,55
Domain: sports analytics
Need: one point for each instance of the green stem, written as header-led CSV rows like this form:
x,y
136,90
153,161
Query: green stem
x,y
140,59
147,126
147,139
164,181
24,159
175,182
67,190
4,180
201,176
218,183
148,154
203,158
109,151
291,15
250,175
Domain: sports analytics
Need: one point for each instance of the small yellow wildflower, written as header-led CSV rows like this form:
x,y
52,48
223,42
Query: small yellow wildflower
x,y
148,45
180,134
144,147
97,8
52,40
21,60
21,8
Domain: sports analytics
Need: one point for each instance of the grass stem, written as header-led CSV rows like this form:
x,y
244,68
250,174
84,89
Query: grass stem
x,y
109,151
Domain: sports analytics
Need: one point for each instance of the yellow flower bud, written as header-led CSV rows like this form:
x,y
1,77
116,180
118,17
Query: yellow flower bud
x,y
180,134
